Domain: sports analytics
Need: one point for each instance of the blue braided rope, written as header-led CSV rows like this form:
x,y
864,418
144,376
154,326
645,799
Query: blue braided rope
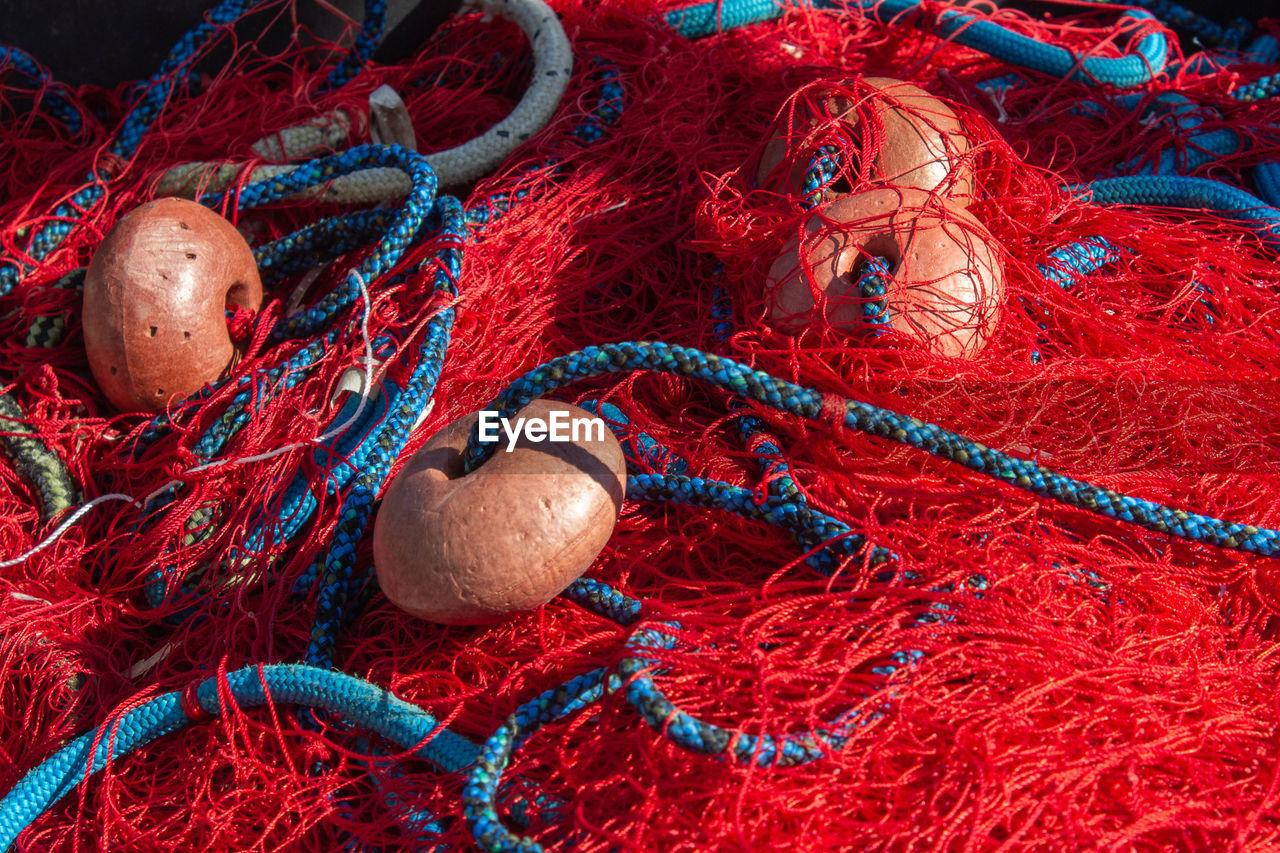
x,y
1267,178
360,703
604,600
773,465
1260,89
872,285
634,676
1198,148
366,42
1265,49
1072,262
320,242
479,796
872,420
609,105
337,458
395,240
1183,192
339,578
51,96
831,540
642,451
687,731
705,19
822,171
1193,23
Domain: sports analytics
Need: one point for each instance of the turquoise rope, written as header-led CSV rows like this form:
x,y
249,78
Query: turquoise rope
x,y
360,703
1147,59
1191,193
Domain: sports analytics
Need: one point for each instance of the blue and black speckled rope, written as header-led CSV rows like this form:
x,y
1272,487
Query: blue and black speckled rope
x,y
1192,23
862,417
830,539
339,581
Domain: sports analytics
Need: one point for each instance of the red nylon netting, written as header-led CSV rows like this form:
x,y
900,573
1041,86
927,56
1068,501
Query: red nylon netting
x,y
1111,688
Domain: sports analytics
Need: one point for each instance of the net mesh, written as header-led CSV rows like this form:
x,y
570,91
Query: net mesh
x,y
1032,676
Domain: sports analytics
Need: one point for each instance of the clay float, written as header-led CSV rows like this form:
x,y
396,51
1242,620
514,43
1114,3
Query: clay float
x,y
946,277
154,300
924,142
460,549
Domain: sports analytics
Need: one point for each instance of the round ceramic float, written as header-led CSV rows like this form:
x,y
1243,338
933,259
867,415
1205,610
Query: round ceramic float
x,y
924,142
946,276
155,296
458,548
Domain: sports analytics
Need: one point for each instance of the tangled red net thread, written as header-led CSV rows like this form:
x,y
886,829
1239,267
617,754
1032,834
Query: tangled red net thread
x,y
1111,687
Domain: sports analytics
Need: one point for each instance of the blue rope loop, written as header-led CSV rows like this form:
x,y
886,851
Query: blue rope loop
x,y
784,396
479,796
1189,193
361,704
1146,58
637,670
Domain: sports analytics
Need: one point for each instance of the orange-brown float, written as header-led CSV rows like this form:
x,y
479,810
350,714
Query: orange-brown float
x,y
946,275
924,144
155,297
460,548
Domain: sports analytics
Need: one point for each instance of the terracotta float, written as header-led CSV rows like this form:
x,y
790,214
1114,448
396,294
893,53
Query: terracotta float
x,y
946,282
154,300
459,548
924,142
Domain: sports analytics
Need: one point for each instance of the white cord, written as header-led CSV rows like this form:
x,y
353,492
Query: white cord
x,y
62,528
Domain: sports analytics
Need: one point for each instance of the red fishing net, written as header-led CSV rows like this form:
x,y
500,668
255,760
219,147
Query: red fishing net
x,y
1032,677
